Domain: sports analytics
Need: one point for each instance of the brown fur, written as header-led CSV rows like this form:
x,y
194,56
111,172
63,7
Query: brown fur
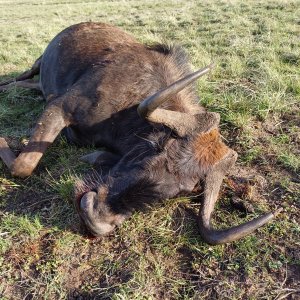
x,y
209,148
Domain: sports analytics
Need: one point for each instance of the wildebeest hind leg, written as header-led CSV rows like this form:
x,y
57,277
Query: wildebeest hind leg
x,y
28,84
35,70
47,129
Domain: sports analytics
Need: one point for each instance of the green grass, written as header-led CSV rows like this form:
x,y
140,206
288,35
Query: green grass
x,y
255,86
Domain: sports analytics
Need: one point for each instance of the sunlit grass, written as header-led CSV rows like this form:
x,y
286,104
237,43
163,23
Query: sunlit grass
x,y
255,86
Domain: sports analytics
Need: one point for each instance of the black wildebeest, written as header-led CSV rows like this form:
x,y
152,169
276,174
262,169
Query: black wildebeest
x,y
104,88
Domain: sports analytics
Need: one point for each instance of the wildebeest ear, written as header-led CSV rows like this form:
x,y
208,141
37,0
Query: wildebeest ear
x,y
183,123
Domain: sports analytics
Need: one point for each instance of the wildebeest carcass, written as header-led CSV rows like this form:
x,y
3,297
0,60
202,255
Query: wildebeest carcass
x,y
104,88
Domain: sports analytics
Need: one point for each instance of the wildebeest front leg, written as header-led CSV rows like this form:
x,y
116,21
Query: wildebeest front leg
x,y
48,127
102,160
6,154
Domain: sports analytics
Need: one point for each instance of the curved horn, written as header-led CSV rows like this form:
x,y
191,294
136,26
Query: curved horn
x,y
212,186
148,105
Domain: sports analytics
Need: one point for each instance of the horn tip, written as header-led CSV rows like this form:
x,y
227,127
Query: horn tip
x,y
211,65
277,212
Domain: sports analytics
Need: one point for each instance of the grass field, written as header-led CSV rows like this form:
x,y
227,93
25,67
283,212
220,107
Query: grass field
x,y
159,255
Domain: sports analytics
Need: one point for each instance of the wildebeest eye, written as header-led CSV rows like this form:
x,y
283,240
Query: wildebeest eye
x,y
157,146
160,143
154,145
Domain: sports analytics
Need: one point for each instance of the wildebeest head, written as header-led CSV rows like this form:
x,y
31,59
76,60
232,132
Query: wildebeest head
x,y
183,150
